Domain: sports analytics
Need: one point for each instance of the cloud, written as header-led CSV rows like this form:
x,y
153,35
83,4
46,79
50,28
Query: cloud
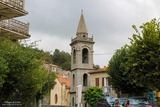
x,y
49,43
55,22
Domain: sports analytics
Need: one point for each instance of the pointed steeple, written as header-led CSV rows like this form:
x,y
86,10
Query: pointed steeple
x,y
82,28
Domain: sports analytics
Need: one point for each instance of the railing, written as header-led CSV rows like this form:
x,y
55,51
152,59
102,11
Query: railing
x,y
82,39
17,4
15,25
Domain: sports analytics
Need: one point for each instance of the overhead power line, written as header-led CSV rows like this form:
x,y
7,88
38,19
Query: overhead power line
x,y
103,54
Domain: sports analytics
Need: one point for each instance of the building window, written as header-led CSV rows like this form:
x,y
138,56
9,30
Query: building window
x,y
72,101
56,98
74,56
97,81
73,80
107,81
103,81
53,69
84,55
85,79
85,105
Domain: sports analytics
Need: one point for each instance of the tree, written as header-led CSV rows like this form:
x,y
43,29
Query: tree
x,y
62,59
50,82
143,64
3,71
119,79
92,95
23,75
96,67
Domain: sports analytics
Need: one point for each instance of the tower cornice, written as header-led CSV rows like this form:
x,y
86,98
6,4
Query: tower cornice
x,y
84,40
81,69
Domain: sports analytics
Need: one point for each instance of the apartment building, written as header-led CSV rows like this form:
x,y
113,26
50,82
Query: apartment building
x,y
9,26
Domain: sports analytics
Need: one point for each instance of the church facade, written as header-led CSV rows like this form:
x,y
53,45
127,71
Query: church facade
x,y
81,62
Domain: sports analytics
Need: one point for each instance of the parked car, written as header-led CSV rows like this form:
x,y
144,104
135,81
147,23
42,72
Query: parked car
x,y
137,102
102,102
119,102
111,100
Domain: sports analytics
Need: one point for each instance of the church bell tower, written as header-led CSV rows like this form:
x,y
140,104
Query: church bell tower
x,y
81,61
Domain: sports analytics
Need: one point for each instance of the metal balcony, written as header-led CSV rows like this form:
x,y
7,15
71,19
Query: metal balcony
x,y
11,9
14,28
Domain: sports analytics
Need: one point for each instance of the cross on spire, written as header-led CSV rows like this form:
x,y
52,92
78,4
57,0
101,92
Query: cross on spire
x,y
82,11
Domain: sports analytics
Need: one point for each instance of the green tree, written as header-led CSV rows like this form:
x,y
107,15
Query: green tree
x,y
92,95
119,79
50,82
143,65
96,67
3,71
23,75
62,59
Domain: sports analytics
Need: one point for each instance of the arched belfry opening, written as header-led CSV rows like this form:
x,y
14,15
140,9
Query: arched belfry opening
x,y
74,56
85,80
85,55
73,82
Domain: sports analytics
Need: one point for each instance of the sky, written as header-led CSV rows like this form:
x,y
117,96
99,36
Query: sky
x,y
54,22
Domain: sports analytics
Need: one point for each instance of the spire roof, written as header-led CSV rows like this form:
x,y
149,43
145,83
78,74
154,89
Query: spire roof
x,y
82,28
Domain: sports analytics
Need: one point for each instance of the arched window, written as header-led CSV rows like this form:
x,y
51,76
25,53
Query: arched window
x,y
84,55
85,80
74,56
73,80
72,101
56,98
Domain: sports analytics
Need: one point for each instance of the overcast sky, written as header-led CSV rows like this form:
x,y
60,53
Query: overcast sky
x,y
55,22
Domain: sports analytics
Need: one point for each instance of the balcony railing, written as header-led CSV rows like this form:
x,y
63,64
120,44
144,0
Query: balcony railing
x,y
15,26
17,4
